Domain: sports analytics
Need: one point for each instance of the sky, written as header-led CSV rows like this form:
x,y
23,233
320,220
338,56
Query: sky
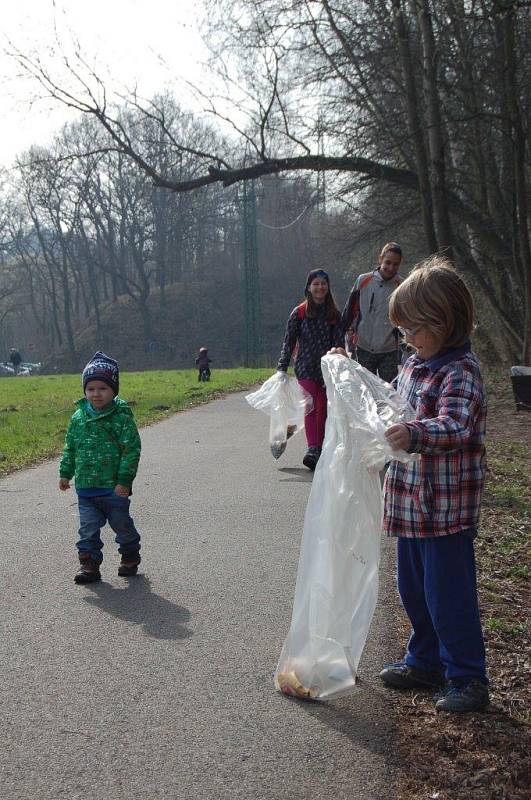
x,y
148,43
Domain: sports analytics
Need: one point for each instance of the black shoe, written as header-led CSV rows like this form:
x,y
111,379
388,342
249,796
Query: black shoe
x,y
462,697
312,457
88,572
402,676
129,565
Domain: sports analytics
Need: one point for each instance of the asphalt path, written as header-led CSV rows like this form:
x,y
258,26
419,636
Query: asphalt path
x,y
161,686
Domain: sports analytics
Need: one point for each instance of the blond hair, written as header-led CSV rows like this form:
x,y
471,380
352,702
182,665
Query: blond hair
x,y
435,297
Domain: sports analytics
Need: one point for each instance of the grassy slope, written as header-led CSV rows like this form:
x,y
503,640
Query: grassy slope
x,y
34,412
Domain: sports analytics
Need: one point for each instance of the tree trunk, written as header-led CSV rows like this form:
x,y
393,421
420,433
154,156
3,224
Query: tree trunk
x,y
415,128
435,128
522,245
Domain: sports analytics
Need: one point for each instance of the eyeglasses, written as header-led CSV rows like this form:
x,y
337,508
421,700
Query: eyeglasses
x,y
410,331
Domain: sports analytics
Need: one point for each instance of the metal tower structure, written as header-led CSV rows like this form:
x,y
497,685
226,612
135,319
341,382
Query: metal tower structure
x,y
321,176
251,278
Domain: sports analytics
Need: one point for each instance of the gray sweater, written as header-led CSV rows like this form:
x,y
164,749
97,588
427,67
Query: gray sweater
x,y
367,312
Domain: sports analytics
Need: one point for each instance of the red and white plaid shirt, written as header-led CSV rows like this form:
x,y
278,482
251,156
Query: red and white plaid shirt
x,y
440,493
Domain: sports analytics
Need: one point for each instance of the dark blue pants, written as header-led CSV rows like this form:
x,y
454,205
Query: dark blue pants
x,y
94,512
437,585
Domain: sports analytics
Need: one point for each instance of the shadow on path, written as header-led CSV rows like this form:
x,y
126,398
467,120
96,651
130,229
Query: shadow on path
x,y
136,603
356,720
302,474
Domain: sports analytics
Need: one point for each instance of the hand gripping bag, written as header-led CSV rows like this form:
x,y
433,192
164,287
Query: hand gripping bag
x,y
286,403
337,578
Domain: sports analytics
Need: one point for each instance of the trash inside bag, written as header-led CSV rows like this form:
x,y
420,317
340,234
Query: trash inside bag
x,y
285,401
337,578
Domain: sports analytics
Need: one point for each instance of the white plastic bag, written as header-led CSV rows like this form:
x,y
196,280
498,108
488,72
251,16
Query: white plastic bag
x,y
337,579
286,403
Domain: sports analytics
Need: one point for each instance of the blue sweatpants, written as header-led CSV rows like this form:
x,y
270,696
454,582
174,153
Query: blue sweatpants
x,y
438,589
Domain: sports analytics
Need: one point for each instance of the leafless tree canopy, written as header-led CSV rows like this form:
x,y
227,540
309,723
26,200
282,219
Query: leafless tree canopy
x,y
417,108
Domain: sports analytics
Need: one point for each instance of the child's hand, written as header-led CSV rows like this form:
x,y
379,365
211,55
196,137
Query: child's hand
x,y
64,484
121,491
339,351
398,436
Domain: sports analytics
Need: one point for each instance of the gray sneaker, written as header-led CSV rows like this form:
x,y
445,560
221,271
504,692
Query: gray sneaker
x,y
461,697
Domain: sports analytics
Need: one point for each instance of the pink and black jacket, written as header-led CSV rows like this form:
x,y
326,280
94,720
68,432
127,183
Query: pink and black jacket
x,y
313,339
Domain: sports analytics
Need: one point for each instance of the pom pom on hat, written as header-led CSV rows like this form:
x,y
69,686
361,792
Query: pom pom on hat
x,y
102,368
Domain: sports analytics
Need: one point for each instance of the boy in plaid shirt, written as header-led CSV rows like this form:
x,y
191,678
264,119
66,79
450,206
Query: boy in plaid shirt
x,y
432,505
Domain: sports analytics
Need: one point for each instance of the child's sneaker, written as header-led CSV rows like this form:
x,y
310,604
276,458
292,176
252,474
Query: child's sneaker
x,y
402,676
129,565
88,572
460,697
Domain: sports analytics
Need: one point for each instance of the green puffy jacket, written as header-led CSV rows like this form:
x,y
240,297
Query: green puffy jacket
x,y
101,451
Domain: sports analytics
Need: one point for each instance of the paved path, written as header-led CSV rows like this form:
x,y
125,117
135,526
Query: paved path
x,y
161,686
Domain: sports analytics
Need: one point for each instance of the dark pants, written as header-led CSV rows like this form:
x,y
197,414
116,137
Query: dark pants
x,y
94,512
437,585
383,364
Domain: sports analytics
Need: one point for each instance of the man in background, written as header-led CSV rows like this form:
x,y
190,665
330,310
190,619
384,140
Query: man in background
x,y
372,339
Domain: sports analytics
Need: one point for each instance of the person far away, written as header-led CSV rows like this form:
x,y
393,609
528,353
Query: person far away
x,y
15,358
365,318
202,361
432,505
102,450
313,327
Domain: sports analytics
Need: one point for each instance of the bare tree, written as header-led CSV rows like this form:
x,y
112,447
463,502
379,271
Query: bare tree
x,y
424,97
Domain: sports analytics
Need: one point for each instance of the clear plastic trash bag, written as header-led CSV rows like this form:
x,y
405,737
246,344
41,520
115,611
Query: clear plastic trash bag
x,y
337,578
285,401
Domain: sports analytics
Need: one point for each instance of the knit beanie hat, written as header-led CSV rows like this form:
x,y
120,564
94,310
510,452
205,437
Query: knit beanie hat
x,y
316,273
102,368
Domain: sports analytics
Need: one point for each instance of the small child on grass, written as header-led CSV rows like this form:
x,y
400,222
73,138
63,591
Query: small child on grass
x,y
202,362
432,506
102,450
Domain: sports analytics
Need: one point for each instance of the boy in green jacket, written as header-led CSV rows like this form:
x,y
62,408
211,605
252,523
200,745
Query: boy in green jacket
x,y
102,450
